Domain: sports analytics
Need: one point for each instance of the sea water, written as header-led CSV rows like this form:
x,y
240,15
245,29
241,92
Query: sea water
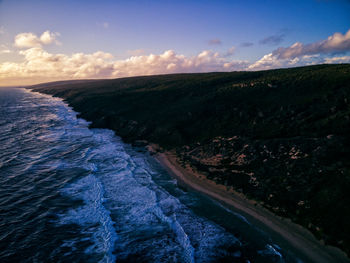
x,y
73,194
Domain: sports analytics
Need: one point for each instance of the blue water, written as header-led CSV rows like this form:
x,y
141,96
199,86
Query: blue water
x,y
73,194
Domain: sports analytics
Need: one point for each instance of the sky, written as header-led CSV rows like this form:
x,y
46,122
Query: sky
x,y
53,40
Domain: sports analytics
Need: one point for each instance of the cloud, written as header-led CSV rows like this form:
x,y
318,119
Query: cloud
x,y
230,52
300,54
28,40
136,52
266,62
247,44
215,41
2,30
335,43
270,61
40,65
344,59
24,40
170,62
4,49
105,24
272,40
47,38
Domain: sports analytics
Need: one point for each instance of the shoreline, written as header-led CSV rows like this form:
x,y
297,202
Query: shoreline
x,y
296,236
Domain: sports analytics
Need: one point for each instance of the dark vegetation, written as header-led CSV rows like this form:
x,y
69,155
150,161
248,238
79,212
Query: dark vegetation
x,y
280,136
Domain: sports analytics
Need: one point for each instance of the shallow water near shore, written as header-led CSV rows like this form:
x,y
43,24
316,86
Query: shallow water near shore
x,y
73,194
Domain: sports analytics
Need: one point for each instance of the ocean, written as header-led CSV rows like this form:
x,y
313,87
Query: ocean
x,y
73,194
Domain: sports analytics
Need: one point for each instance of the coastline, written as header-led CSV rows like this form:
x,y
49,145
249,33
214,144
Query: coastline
x,y
130,130
293,234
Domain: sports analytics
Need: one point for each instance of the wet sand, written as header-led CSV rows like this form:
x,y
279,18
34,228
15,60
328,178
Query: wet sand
x,y
302,242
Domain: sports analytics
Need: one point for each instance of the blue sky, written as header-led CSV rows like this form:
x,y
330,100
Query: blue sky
x,y
252,29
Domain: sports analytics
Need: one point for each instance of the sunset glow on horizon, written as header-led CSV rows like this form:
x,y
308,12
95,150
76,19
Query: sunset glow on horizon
x,y
43,41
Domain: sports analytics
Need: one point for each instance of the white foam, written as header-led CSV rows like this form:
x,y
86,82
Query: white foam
x,y
92,212
270,250
121,197
143,202
234,213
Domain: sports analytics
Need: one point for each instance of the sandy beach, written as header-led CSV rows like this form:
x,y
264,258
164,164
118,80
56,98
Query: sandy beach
x,y
296,238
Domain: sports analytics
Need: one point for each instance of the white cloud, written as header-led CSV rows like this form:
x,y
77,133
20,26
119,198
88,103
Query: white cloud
x,y
300,54
2,30
344,59
24,40
334,43
170,62
268,61
271,61
48,37
39,64
29,40
5,50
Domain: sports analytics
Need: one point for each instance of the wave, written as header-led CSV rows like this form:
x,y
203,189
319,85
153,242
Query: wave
x,y
92,216
123,208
